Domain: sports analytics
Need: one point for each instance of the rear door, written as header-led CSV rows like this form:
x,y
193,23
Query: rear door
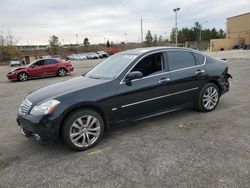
x,y
50,67
187,76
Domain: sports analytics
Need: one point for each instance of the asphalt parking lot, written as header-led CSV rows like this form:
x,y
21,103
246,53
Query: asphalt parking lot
x,y
181,149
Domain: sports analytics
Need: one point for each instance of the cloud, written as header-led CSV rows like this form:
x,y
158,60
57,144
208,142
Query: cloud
x,y
35,21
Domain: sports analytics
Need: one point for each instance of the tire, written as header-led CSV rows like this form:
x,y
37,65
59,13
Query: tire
x,y
83,129
22,76
209,97
62,72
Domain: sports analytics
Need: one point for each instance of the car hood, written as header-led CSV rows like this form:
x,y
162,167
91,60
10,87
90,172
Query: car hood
x,y
61,88
17,68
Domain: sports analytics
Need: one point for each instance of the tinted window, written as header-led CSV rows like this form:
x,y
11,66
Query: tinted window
x,y
179,60
50,62
150,64
39,63
199,58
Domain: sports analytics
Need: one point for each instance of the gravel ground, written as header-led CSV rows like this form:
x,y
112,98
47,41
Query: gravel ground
x,y
181,149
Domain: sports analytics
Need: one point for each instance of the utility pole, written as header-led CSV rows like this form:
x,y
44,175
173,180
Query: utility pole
x,y
176,28
141,32
201,28
2,39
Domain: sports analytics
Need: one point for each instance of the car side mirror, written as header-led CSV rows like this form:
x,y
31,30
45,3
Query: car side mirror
x,y
32,66
133,75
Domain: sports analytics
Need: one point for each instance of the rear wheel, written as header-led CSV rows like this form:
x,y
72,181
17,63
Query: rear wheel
x,y
83,129
62,72
208,98
23,76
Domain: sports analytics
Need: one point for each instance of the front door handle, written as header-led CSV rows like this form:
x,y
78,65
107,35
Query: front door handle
x,y
164,80
198,72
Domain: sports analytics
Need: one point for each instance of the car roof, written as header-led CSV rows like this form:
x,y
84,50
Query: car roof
x,y
139,51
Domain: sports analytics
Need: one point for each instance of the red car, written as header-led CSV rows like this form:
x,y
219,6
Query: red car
x,y
41,68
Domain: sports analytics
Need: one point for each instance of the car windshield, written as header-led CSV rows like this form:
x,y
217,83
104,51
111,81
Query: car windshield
x,y
111,67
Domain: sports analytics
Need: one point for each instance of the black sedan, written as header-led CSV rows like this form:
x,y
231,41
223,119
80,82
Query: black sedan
x,y
128,86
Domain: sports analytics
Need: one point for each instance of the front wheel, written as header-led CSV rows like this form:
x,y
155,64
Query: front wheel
x,y
209,97
83,130
23,76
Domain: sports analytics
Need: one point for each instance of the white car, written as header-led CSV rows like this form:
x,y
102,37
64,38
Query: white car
x,y
15,62
102,54
92,56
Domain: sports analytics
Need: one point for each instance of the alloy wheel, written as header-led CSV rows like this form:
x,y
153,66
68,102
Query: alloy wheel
x,y
23,77
210,98
85,131
62,72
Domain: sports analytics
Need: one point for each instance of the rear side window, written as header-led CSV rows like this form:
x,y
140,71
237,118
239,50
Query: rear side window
x,y
199,58
179,60
50,62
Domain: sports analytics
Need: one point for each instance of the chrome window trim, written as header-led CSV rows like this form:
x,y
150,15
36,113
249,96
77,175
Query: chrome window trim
x,y
155,98
164,71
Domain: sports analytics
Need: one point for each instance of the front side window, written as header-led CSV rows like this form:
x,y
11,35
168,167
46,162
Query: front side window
x,y
179,60
150,65
39,63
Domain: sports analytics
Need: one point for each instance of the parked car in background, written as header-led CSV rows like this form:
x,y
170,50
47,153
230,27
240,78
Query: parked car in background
x,y
102,54
15,62
128,86
77,57
41,68
92,55
57,57
46,57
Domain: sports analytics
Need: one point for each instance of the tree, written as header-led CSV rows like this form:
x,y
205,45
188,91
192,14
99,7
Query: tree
x,y
155,39
160,40
86,41
54,44
108,44
149,38
173,35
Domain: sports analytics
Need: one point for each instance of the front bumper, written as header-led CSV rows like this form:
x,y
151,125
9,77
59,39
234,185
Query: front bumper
x,y
38,128
12,76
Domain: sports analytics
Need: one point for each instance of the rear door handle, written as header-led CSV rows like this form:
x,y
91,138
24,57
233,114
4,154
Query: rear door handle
x,y
199,71
164,80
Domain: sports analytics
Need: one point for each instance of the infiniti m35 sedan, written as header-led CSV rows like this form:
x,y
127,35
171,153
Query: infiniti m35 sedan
x,y
128,86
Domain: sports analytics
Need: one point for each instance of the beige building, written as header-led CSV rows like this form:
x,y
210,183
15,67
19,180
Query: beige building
x,y
238,33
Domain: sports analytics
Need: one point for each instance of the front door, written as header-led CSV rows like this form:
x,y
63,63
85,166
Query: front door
x,y
36,69
146,95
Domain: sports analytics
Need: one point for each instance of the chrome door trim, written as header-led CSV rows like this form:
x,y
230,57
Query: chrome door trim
x,y
164,71
155,98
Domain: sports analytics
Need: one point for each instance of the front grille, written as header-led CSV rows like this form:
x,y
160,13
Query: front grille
x,y
25,107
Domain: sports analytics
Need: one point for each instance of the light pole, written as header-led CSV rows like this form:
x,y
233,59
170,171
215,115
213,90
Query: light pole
x,y
126,38
201,27
176,28
76,38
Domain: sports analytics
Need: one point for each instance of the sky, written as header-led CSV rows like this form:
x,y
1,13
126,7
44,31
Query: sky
x,y
34,21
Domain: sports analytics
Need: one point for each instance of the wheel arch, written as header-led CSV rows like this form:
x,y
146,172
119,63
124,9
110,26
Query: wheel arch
x,y
23,71
84,106
62,67
216,82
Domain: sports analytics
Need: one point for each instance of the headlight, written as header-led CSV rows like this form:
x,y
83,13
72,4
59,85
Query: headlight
x,y
45,108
